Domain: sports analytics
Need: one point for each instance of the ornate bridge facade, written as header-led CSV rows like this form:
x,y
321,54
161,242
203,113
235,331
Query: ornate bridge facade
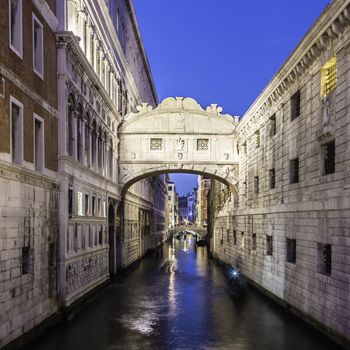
x,y
178,136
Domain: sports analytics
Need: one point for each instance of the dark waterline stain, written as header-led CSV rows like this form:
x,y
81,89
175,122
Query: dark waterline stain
x,y
181,302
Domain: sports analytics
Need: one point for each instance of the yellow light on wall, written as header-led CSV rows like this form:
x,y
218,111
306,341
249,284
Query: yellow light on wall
x,y
329,77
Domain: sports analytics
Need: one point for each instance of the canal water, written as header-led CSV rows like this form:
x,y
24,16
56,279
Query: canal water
x,y
180,300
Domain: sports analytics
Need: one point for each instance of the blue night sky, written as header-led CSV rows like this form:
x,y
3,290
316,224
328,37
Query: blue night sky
x,y
222,52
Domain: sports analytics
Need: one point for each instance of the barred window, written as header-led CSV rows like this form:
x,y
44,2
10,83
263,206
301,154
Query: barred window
x,y
257,138
202,144
294,171
329,77
254,244
272,178
329,158
295,105
156,144
324,258
256,184
273,125
291,250
269,245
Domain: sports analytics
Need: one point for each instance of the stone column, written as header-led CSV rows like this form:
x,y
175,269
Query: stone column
x,y
75,135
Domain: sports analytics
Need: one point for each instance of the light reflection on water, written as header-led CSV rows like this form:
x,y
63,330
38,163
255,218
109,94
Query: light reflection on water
x,y
180,302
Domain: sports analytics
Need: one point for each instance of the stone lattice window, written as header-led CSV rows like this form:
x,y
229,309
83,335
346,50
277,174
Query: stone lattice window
x,y
291,250
202,144
329,77
156,144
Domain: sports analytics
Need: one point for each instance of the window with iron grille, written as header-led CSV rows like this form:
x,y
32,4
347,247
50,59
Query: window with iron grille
x,y
269,245
202,144
294,171
272,178
70,202
295,105
329,77
156,144
273,125
256,184
329,157
254,245
25,260
291,250
324,258
257,138
234,237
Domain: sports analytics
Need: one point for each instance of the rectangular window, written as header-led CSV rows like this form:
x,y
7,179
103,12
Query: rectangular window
x,y
273,125
38,144
291,250
80,203
294,171
254,241
329,77
16,131
324,258
329,158
25,260
269,245
228,235
93,200
272,178
16,27
86,205
98,206
295,106
256,184
70,202
38,47
234,237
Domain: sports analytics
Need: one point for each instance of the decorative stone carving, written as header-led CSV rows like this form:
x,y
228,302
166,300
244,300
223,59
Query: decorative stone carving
x,y
180,156
180,144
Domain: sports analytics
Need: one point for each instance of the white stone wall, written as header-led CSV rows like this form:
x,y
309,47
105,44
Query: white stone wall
x,y
28,206
315,211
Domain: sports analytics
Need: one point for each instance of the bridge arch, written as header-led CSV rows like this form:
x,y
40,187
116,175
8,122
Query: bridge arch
x,y
178,136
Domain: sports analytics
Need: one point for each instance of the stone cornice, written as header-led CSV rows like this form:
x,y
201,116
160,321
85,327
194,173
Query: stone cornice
x,y
328,29
45,10
27,90
112,41
137,32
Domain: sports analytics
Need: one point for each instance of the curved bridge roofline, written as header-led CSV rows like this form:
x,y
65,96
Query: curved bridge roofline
x,y
178,136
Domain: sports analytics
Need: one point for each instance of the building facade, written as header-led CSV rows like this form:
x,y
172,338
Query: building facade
x,y
289,231
28,166
183,210
67,79
172,205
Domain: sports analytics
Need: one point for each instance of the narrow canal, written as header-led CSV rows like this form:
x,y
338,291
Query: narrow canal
x,y
180,301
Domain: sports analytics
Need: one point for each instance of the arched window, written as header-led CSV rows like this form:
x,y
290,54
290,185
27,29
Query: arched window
x,y
70,136
87,139
93,142
79,133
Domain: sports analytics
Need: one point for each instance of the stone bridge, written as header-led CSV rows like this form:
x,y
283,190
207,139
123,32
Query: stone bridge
x,y
178,136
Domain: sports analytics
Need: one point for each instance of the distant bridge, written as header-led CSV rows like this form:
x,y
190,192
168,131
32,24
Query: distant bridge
x,y
201,230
